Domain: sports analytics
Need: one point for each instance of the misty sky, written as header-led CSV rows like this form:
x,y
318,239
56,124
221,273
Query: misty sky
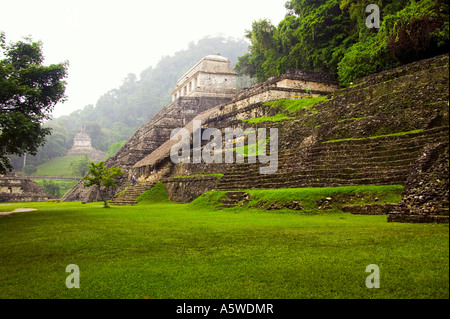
x,y
105,40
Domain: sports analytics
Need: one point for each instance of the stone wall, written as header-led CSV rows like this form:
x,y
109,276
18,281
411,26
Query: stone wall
x,y
186,189
15,188
425,198
213,76
297,83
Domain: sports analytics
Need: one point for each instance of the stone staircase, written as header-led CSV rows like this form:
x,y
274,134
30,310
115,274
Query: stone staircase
x,y
131,193
233,199
371,209
378,161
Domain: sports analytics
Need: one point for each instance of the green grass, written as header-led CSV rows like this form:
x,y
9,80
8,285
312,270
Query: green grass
x,y
253,149
163,250
58,166
310,197
276,118
372,137
156,194
292,106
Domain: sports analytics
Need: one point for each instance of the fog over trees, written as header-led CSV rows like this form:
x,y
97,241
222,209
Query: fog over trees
x,y
120,111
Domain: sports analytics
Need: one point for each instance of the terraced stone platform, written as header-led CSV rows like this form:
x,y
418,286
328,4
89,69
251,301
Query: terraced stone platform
x,y
372,161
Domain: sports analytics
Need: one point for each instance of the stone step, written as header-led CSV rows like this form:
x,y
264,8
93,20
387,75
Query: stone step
x,y
287,184
233,199
355,156
359,152
233,195
338,169
131,193
370,209
350,165
325,182
348,148
400,141
123,202
318,172
414,218
340,165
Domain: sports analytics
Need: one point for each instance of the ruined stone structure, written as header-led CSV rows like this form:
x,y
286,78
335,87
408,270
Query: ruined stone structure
x,y
82,145
246,104
14,188
426,194
389,128
212,76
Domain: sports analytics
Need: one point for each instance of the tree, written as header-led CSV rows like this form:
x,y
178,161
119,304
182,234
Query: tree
x,y
332,36
103,178
51,187
114,148
29,169
28,93
420,30
81,166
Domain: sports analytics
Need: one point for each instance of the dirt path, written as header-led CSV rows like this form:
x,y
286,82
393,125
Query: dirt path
x,y
18,210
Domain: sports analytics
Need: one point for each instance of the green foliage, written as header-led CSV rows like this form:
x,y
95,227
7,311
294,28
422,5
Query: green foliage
x,y
258,148
51,187
104,178
61,185
276,118
332,36
157,194
114,148
363,58
81,166
29,169
28,93
312,39
293,106
420,30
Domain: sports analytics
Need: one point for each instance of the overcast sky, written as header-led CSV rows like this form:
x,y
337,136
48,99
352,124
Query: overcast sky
x,y
105,40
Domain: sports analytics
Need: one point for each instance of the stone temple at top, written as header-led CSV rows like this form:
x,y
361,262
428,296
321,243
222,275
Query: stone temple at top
x,y
212,76
82,145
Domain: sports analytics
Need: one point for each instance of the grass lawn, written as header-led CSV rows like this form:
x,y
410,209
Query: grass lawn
x,y
166,250
58,166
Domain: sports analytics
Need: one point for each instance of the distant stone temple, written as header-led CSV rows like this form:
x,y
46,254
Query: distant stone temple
x,y
212,76
82,145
